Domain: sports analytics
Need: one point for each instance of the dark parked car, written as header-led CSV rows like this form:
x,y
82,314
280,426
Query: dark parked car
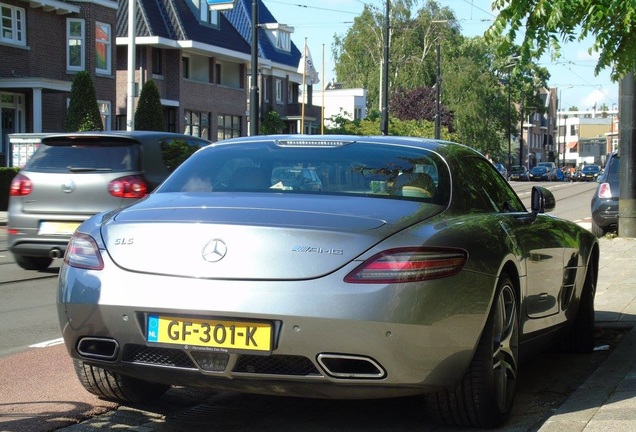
x,y
70,177
436,285
589,173
540,173
605,199
518,173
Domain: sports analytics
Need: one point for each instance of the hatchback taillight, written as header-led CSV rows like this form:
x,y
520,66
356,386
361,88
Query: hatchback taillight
x,y
408,265
128,187
604,191
20,186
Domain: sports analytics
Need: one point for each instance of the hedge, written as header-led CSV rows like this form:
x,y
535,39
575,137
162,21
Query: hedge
x,y
6,175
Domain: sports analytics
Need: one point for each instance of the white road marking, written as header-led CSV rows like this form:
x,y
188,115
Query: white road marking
x,y
47,343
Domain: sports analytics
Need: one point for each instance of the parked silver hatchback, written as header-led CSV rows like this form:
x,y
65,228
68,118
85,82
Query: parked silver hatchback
x,y
73,176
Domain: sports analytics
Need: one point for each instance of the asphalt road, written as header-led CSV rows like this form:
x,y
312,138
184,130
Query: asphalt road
x,y
39,391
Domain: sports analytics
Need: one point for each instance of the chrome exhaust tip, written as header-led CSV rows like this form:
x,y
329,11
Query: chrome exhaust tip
x,y
98,348
348,366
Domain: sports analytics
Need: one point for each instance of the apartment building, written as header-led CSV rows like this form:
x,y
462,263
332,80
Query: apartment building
x,y
43,44
586,137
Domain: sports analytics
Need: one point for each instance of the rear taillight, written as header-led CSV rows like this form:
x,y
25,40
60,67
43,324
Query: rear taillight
x,y
604,191
408,265
82,252
20,186
128,187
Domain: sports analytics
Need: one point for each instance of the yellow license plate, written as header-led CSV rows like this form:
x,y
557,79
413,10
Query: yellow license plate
x,y
210,333
66,228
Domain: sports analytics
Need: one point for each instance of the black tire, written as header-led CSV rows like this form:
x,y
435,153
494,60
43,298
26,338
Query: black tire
x,y
597,230
116,387
485,395
581,337
32,263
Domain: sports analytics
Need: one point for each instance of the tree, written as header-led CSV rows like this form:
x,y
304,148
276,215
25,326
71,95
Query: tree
x,y
546,25
272,124
149,113
83,112
359,52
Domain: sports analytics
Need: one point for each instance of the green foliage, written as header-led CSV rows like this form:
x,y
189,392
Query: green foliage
x,y
6,175
149,113
546,25
175,152
83,112
413,37
371,126
272,124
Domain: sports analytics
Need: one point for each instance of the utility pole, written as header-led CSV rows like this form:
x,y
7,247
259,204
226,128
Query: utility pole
x,y
438,94
384,119
254,109
627,128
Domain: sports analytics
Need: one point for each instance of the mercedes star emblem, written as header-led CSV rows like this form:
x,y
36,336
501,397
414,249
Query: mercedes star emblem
x,y
214,251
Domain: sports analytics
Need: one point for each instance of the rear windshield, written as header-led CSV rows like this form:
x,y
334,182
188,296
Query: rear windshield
x,y
85,157
351,169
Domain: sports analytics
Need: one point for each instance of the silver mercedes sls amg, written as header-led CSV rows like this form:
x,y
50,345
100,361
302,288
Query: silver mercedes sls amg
x,y
414,269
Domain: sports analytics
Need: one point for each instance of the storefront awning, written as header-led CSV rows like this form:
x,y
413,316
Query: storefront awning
x,y
572,144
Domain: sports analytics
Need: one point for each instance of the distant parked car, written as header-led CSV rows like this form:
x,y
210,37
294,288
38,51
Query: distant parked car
x,y
605,199
502,169
540,173
590,172
71,177
518,173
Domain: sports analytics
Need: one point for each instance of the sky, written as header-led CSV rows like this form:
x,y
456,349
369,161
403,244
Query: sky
x,y
318,22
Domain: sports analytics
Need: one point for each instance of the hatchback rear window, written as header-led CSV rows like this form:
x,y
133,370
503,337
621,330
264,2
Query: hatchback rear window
x,y
85,157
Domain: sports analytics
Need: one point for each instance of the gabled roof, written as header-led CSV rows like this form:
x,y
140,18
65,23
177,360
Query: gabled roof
x,y
241,17
176,20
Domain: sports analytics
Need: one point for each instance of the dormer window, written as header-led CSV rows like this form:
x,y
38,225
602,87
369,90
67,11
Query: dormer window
x,y
207,15
279,35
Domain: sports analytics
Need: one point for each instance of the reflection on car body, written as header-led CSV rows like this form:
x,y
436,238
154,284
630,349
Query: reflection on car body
x,y
365,288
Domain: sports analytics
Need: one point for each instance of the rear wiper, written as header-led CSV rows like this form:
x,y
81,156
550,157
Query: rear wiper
x,y
86,169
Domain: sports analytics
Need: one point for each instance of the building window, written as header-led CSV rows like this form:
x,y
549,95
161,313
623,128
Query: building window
x,y
104,110
208,16
185,67
75,44
157,61
283,40
218,68
197,123
572,130
290,93
13,28
279,91
265,88
102,48
228,127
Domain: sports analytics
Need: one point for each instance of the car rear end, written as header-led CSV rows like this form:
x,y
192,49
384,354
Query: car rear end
x,y
605,200
67,180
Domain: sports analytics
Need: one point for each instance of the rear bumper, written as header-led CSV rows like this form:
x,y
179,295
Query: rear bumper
x,y
605,213
412,335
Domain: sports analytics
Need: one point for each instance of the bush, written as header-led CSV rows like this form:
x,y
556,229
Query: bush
x,y
6,175
149,113
83,112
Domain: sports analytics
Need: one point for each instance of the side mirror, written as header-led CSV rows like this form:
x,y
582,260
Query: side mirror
x,y
542,200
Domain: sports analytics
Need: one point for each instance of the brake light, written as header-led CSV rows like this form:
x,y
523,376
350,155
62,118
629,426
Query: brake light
x,y
82,252
604,191
408,265
20,186
128,187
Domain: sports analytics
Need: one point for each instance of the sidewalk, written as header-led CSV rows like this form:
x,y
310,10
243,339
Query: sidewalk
x,y
607,400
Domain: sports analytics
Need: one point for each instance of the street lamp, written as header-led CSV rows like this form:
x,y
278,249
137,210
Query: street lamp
x,y
564,118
